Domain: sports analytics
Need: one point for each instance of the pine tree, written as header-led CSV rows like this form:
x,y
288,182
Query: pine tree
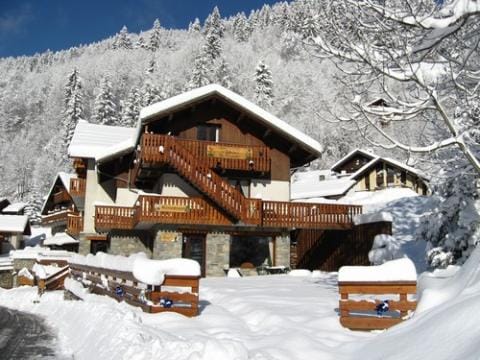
x,y
212,47
200,73
105,110
151,94
155,36
240,28
151,67
73,102
131,108
223,74
122,40
263,85
195,27
214,24
140,44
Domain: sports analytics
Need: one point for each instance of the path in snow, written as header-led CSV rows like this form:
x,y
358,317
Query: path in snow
x,y
24,336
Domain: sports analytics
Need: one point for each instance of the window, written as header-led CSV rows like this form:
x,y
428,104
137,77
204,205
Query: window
x,y
208,132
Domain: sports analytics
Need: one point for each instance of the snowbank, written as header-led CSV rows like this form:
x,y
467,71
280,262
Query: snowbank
x,y
38,253
385,248
145,270
372,218
395,270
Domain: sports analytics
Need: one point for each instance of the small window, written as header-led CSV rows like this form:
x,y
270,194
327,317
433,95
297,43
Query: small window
x,y
208,132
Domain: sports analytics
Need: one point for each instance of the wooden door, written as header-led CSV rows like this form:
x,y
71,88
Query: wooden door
x,y
194,248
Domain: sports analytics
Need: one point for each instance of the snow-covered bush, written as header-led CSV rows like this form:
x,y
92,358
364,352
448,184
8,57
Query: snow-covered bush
x,y
384,248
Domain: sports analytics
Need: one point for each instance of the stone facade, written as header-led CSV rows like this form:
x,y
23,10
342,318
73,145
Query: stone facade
x,y
83,245
126,243
217,254
19,264
282,250
167,245
6,279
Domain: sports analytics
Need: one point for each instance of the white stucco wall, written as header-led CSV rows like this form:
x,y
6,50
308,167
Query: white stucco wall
x,y
270,190
174,185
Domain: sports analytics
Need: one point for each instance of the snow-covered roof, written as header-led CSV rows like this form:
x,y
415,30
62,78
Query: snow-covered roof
x,y
351,154
313,187
372,218
180,101
15,207
99,142
59,239
13,223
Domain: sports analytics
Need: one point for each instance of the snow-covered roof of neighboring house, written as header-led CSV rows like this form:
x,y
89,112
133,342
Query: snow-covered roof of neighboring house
x,y
313,188
14,208
60,239
350,155
148,114
65,179
100,142
13,223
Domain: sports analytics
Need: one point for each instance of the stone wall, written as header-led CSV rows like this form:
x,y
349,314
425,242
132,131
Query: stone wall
x,y
6,279
126,243
167,245
282,250
19,264
217,254
83,245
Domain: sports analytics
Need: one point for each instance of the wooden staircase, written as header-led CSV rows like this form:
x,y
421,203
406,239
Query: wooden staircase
x,y
161,149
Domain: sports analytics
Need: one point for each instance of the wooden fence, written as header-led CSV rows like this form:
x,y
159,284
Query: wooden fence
x,y
53,282
361,314
181,291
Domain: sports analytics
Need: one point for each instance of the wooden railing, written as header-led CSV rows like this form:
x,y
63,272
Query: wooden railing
x,y
115,217
229,156
53,282
361,315
308,215
179,210
61,197
167,150
78,187
123,286
74,224
60,216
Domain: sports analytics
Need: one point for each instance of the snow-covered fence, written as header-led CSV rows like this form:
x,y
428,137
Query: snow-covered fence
x,y
52,281
385,291
177,293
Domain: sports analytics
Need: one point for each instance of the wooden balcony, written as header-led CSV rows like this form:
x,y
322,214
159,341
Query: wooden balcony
x,y
55,217
78,187
217,155
74,224
61,197
198,211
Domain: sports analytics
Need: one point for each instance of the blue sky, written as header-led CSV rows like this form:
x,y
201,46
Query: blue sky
x,y
27,27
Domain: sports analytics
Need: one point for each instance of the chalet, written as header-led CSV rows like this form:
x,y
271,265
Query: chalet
x,y
358,171
205,175
13,230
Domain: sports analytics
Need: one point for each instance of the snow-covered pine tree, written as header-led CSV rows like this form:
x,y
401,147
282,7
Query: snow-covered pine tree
x,y
73,102
264,16
150,94
214,24
263,85
104,108
131,108
151,67
223,74
140,43
200,73
155,36
212,47
240,28
195,27
122,40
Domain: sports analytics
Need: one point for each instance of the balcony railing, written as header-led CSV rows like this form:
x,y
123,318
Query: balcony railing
x,y
77,187
198,211
224,155
72,220
59,216
74,224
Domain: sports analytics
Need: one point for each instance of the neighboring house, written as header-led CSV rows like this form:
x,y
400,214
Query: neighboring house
x,y
13,230
4,203
358,171
205,175
15,209
64,202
